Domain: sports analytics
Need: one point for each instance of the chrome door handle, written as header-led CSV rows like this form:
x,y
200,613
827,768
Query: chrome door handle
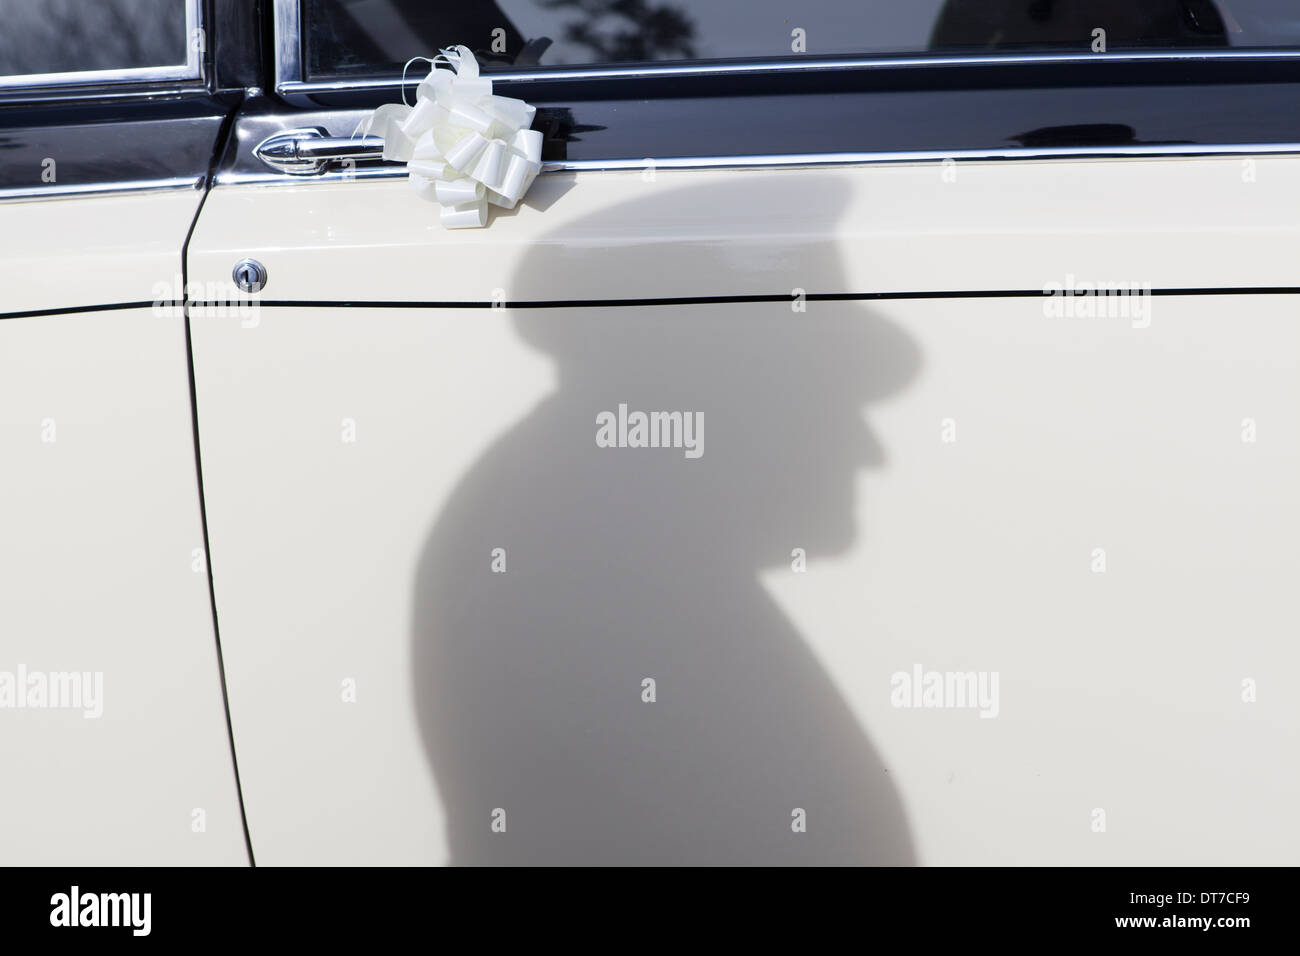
x,y
310,151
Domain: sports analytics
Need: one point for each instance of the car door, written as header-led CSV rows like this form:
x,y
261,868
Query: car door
x,y
851,451
113,729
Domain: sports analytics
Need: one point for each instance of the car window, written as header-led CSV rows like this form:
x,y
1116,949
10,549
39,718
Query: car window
x,y
351,37
57,40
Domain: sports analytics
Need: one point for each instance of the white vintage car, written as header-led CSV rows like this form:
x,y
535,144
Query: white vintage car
x,y
872,438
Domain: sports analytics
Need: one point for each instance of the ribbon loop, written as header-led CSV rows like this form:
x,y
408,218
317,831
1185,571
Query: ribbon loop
x,y
464,146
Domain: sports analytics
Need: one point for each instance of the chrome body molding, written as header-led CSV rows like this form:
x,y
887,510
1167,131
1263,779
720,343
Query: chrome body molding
x,y
238,178
790,160
75,190
925,156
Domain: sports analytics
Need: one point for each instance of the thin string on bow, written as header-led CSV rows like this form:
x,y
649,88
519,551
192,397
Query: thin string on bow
x,y
433,65
363,126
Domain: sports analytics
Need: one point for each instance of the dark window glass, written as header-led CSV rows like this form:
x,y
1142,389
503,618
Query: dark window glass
x,y
351,37
76,36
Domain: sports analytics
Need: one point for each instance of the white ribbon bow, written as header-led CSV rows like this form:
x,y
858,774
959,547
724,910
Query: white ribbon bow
x,y
463,146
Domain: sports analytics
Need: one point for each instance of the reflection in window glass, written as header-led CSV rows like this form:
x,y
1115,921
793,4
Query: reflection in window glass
x,y
74,36
348,37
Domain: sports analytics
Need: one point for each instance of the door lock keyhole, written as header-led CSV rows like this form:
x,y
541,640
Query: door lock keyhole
x,y
249,275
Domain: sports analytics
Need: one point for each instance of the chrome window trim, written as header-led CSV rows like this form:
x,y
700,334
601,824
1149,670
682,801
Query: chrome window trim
x,y
288,43
191,69
788,65
72,191
290,84
45,94
810,159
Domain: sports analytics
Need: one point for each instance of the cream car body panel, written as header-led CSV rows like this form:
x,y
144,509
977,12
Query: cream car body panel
x,y
739,497
102,566
1098,510
82,251
712,232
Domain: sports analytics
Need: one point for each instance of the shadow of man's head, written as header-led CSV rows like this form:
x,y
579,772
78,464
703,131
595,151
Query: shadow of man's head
x,y
780,386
